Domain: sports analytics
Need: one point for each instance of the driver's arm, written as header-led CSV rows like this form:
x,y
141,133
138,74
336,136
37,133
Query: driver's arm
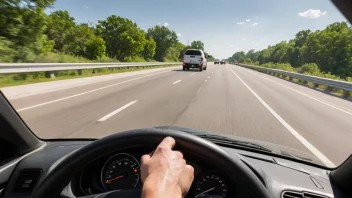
x,y
165,172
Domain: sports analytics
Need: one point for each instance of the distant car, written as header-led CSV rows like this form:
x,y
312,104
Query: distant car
x,y
223,62
194,58
217,61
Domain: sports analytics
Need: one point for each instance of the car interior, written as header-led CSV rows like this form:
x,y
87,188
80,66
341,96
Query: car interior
x,y
68,168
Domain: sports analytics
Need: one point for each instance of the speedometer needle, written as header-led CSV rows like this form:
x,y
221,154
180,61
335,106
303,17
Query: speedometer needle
x,y
202,193
115,178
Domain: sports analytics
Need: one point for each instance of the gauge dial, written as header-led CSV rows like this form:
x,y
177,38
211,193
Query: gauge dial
x,y
121,171
211,184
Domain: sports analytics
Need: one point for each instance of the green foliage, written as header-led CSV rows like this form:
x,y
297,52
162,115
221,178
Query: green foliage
x,y
310,68
123,38
164,38
175,53
197,45
77,39
134,59
96,48
28,34
6,50
149,49
282,66
325,53
60,25
247,60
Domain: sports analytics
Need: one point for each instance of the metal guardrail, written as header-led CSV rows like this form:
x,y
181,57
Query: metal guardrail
x,y
41,67
338,84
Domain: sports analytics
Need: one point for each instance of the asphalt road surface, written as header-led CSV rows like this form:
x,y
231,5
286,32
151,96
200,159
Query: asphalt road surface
x,y
224,99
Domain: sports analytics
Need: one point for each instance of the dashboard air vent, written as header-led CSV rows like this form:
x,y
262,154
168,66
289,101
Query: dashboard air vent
x,y
26,181
290,194
312,195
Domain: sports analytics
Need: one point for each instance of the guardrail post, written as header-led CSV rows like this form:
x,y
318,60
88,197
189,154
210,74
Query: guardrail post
x,y
79,71
316,85
345,93
52,74
290,78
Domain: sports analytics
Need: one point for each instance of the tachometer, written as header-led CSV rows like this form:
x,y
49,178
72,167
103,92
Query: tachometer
x,y
121,171
211,184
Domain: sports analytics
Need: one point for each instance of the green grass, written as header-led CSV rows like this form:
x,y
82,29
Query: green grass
x,y
36,77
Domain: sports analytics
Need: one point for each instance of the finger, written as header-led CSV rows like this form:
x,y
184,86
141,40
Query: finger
x,y
187,179
145,158
168,142
190,169
178,154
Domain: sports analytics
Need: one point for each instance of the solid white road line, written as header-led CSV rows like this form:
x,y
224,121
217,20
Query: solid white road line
x,y
192,74
87,92
305,142
116,111
311,97
176,82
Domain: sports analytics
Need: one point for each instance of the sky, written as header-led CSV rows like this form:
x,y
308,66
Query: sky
x,y
224,26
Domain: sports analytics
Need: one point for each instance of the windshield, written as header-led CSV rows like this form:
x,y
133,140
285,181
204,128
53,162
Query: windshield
x,y
122,65
193,52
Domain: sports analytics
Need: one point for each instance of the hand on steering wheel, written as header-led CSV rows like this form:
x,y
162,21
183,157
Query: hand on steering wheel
x,y
165,172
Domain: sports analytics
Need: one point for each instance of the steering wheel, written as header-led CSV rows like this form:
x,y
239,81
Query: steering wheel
x,y
60,173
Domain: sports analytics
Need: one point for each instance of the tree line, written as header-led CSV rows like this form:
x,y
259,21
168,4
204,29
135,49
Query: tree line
x,y
27,32
327,51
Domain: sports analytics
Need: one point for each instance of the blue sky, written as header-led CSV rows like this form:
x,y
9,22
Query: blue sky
x,y
225,26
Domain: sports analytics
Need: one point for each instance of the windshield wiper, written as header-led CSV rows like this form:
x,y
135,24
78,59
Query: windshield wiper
x,y
224,141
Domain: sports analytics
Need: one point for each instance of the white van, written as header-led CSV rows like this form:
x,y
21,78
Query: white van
x,y
194,58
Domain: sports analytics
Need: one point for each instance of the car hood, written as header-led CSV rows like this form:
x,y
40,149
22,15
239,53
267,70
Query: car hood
x,y
275,148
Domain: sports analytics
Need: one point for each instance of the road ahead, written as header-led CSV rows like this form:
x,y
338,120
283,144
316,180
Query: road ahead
x,y
223,99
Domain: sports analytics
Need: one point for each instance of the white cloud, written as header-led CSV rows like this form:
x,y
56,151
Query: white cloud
x,y
254,24
244,39
312,14
240,23
253,42
178,34
166,24
85,7
248,20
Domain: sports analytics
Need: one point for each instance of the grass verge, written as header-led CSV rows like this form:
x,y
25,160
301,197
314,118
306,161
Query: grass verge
x,y
7,80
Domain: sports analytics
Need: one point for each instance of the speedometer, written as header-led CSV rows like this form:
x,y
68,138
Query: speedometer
x,y
121,171
211,184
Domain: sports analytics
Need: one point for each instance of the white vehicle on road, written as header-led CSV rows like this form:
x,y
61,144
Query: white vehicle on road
x,y
194,58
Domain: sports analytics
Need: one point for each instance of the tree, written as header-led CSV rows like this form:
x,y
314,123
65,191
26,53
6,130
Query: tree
x,y
250,55
19,16
149,49
77,39
60,26
123,37
164,38
96,48
197,45
6,50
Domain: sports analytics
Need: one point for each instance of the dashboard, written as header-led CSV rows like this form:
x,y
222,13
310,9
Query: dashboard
x,y
121,170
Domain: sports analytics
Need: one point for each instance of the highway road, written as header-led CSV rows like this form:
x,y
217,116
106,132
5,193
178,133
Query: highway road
x,y
224,99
